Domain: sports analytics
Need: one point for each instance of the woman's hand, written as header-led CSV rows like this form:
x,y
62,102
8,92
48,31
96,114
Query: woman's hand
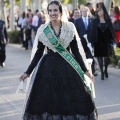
x,y
24,76
90,76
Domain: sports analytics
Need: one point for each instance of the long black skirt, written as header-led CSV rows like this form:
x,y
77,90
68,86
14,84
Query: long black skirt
x,y
58,93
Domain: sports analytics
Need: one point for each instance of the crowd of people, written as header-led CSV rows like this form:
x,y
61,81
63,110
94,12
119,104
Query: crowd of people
x,y
28,24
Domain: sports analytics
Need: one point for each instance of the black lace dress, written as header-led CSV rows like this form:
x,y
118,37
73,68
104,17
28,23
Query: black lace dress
x,y
58,92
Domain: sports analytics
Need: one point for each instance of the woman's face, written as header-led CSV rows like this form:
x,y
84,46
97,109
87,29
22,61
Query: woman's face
x,y
100,12
54,12
76,14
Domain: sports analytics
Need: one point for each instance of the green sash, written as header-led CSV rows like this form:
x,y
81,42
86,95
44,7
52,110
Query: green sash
x,y
64,53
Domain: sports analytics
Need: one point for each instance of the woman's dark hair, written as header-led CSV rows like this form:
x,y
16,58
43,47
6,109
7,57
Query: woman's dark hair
x,y
102,6
56,3
116,10
23,15
74,11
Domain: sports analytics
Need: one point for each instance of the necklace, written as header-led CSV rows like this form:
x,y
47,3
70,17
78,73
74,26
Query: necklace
x,y
56,30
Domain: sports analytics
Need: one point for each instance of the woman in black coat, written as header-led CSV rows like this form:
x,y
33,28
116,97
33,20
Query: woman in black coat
x,y
102,37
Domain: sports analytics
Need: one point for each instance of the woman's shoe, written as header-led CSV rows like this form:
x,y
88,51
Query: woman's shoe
x,y
102,76
106,73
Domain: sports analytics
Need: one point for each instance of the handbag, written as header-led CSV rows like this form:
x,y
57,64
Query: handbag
x,y
116,25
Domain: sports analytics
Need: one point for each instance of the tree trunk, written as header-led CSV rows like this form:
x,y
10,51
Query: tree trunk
x,y
118,3
75,4
31,5
108,4
23,5
37,4
2,15
44,5
12,14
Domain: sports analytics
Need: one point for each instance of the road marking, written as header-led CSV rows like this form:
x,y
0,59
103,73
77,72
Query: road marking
x,y
9,68
110,116
7,72
10,113
9,77
113,105
18,56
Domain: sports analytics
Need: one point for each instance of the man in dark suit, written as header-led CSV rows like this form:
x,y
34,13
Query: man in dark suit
x,y
84,26
76,15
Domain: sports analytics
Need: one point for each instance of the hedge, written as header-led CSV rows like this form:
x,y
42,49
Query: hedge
x,y
116,60
14,36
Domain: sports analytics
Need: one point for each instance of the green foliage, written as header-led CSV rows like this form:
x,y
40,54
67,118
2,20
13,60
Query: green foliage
x,y
81,1
115,1
70,1
14,36
17,2
66,1
7,2
119,63
115,60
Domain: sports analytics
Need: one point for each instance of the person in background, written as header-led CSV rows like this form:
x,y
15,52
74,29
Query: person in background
x,y
40,18
111,13
3,41
20,22
30,29
26,30
35,21
43,18
89,5
34,25
84,26
29,11
103,39
115,18
76,15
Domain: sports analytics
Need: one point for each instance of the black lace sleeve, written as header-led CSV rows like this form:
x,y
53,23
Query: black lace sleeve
x,y
78,57
36,58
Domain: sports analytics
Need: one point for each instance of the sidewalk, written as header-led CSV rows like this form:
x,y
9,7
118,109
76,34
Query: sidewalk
x,y
112,70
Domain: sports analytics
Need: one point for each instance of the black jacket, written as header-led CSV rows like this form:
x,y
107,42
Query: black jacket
x,y
3,32
102,38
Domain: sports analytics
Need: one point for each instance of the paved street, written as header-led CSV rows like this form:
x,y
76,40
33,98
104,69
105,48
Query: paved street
x,y
107,92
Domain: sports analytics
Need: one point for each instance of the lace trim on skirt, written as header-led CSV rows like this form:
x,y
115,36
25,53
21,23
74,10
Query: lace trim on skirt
x,y
47,116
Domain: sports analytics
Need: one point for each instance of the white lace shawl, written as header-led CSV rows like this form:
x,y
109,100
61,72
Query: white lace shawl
x,y
68,31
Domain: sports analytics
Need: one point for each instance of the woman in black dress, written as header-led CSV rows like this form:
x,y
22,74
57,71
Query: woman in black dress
x,y
103,38
57,91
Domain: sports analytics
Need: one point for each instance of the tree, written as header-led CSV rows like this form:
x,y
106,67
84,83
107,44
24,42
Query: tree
x,y
71,1
2,16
